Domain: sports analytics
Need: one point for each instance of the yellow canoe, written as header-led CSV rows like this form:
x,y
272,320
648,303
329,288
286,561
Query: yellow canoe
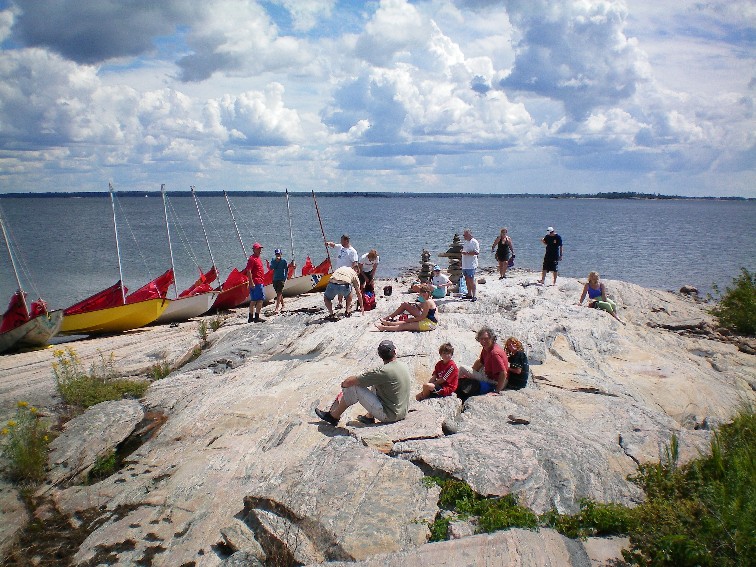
x,y
321,285
114,319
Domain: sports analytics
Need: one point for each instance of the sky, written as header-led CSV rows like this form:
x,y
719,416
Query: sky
x,y
470,96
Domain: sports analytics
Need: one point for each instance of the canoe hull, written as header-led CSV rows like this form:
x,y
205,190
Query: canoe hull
x,y
34,333
185,308
114,319
293,287
322,282
232,297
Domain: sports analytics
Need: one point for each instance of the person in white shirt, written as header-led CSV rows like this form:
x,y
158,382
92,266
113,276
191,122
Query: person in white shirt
x,y
347,256
441,283
470,251
368,268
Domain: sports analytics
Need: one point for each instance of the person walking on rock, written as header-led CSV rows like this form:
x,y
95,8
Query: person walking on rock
x,y
347,256
553,255
280,269
341,283
255,273
490,373
504,251
384,392
470,252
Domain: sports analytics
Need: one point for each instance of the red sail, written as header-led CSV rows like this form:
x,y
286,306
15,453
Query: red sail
x,y
308,267
16,314
292,271
202,285
110,297
38,308
268,277
234,278
156,289
323,268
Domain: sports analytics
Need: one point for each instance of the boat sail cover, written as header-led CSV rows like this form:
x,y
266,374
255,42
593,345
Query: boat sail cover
x,y
156,289
202,285
323,268
111,297
16,314
234,279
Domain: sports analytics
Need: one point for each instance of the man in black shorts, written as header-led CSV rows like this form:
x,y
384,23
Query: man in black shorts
x,y
553,256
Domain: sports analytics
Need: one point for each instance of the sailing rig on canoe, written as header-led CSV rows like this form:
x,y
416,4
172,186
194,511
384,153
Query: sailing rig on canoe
x,y
111,310
193,301
23,325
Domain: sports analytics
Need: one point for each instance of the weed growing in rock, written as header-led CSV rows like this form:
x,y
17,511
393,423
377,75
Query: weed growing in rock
x,y
27,438
160,370
202,332
736,309
217,322
82,390
104,466
702,513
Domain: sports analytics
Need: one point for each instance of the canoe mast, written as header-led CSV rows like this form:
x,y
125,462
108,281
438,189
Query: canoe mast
x,y
168,232
15,269
118,246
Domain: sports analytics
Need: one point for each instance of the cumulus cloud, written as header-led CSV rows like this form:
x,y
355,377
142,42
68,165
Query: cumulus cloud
x,y
92,31
576,52
306,14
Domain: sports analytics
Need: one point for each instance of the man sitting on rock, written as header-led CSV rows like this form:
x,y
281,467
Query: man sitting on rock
x,y
489,374
388,399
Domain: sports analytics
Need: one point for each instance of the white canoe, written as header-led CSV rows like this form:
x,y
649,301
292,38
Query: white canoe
x,y
185,308
34,333
294,286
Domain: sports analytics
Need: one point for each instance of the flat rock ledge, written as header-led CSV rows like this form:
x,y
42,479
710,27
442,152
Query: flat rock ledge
x,y
240,471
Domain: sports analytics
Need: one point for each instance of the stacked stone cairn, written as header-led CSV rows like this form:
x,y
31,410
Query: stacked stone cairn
x,y
426,267
454,253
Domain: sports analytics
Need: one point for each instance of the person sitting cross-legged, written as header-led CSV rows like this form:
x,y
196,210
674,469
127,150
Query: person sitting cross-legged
x,y
422,314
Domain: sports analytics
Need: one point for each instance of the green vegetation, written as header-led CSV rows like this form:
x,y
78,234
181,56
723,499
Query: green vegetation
x,y
104,466
702,513
26,438
736,309
160,370
202,332
217,322
82,390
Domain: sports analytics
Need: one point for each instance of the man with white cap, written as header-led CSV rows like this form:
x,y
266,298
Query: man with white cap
x,y
384,391
553,256
254,271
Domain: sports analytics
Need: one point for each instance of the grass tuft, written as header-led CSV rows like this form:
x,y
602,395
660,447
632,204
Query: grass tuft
x,y
26,440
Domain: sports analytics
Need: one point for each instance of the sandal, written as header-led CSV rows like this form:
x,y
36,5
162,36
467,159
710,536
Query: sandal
x,y
366,420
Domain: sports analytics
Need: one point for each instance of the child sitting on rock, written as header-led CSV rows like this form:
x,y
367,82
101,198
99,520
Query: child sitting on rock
x,y
444,378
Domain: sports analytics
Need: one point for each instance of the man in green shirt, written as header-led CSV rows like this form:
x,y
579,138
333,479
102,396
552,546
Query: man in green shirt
x,y
388,398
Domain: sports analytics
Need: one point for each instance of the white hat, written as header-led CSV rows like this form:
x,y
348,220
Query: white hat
x,y
550,229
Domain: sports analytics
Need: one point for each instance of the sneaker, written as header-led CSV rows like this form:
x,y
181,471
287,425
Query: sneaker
x,y
473,299
365,419
467,297
326,416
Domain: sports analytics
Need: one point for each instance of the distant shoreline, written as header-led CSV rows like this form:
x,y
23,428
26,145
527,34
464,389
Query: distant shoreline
x,y
387,195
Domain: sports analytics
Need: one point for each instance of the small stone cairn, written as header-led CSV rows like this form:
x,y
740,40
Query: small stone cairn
x,y
426,267
454,253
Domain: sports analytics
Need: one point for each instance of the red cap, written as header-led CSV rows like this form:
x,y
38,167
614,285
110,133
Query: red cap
x,y
256,245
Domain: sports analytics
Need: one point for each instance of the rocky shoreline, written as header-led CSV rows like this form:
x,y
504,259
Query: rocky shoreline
x,y
233,463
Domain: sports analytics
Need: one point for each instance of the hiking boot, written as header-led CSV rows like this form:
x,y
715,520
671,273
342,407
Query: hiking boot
x,y
366,419
259,319
326,416
250,319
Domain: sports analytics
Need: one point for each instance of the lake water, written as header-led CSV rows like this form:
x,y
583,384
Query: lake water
x,y
66,248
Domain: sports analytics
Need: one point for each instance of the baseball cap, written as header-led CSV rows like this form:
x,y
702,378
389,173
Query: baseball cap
x,y
256,245
277,251
550,229
436,268
386,347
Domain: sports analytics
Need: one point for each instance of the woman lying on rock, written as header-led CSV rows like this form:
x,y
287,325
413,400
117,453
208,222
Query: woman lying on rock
x,y
421,315
597,296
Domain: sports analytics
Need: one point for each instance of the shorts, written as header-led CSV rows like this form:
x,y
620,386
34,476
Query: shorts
x,y
368,399
334,289
550,265
469,273
257,293
426,325
504,257
278,285
438,293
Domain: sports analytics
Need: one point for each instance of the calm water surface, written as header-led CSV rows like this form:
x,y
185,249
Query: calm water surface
x,y
66,248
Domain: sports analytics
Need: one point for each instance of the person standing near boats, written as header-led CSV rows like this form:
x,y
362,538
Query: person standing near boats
x,y
254,271
347,257
470,252
504,251
280,269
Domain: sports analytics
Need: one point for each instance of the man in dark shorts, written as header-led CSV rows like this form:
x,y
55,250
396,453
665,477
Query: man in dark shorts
x,y
280,271
553,256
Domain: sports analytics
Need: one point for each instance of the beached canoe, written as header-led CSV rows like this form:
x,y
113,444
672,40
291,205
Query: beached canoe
x,y
294,286
114,319
322,282
34,333
185,308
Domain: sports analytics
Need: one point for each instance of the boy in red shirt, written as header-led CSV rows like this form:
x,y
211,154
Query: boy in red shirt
x,y
444,378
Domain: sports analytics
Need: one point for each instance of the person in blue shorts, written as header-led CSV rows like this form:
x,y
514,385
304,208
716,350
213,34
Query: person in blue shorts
x,y
254,271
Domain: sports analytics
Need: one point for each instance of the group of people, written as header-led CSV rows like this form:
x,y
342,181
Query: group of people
x,y
349,272
385,391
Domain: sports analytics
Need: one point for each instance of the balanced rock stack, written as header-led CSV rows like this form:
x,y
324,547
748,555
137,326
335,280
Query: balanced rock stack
x,y
426,267
454,253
